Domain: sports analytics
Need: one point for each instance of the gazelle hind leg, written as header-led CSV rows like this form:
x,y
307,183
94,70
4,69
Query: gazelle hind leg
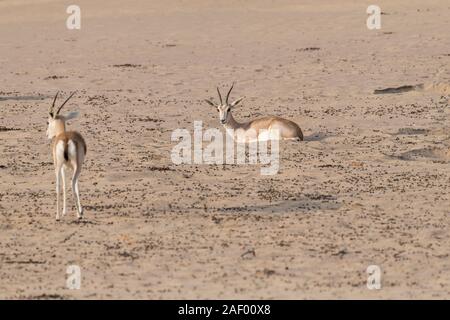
x,y
76,192
63,178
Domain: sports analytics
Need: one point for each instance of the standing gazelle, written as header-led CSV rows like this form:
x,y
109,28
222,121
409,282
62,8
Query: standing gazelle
x,y
269,127
69,150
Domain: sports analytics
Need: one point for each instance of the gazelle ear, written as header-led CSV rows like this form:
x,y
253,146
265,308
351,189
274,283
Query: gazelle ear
x,y
210,102
71,115
236,102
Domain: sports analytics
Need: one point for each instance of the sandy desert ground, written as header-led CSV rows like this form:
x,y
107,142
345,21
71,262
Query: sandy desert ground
x,y
369,185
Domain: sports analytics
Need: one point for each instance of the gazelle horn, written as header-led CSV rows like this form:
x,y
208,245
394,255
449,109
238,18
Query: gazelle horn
x,y
220,97
65,102
50,110
228,94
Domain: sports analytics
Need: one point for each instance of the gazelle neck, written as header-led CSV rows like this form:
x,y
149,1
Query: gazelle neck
x,y
60,127
232,123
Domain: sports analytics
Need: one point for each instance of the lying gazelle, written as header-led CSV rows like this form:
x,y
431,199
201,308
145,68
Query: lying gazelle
x,y
270,127
69,150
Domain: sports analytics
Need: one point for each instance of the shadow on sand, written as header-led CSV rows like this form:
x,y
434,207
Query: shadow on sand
x,y
285,206
23,98
318,136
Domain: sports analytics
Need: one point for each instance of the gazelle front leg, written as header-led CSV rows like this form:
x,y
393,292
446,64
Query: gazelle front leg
x,y
75,191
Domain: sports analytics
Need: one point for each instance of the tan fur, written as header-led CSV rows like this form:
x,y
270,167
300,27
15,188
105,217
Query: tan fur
x,y
286,129
65,137
71,155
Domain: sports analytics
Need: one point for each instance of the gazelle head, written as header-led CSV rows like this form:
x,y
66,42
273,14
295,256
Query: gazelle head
x,y
224,108
56,123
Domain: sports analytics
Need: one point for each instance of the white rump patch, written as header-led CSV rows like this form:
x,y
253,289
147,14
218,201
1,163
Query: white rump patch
x,y
59,151
72,150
